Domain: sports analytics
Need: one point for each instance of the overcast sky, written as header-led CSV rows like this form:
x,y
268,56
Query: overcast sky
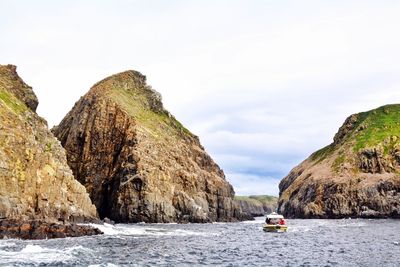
x,y
262,83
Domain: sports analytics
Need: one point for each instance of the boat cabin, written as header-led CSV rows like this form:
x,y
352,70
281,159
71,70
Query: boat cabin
x,y
275,218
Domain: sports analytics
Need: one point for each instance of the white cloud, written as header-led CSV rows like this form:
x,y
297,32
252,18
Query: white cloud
x,y
262,83
246,184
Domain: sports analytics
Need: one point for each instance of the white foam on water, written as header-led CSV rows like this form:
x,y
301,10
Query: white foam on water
x,y
344,223
180,232
6,243
120,230
253,222
103,265
298,228
32,249
37,254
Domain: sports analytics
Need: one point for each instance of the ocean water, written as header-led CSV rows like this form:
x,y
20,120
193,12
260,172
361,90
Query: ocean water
x,y
347,242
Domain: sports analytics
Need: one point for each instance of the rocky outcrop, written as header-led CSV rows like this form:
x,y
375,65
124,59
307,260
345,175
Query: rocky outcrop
x,y
137,161
11,82
257,205
35,180
356,176
43,230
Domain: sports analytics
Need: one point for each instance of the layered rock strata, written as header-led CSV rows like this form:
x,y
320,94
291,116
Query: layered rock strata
x,y
137,161
35,180
358,175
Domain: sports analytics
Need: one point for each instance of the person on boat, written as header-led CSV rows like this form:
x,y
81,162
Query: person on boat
x,y
282,222
268,220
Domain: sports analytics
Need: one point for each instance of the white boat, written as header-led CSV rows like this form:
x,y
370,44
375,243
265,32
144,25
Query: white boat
x,y
275,223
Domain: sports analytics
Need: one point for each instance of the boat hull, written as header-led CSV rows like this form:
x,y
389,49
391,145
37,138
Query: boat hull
x,y
275,228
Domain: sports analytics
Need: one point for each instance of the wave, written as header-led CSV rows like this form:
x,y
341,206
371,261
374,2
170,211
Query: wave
x,y
32,254
103,265
145,230
253,222
5,243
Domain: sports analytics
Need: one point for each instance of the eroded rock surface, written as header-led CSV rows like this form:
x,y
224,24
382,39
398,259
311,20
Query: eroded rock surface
x,y
137,161
36,229
356,176
35,180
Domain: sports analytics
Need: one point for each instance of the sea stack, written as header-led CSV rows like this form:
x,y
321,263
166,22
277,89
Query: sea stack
x,y
37,188
358,175
138,163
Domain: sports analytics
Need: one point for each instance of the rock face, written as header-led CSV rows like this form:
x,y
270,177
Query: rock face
x,y
356,176
137,161
35,180
257,205
43,230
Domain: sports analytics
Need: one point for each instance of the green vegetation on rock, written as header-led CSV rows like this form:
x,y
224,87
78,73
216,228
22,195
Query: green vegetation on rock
x,y
321,154
377,125
136,104
355,176
12,102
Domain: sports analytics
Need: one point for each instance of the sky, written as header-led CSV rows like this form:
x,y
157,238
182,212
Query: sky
x,y
262,83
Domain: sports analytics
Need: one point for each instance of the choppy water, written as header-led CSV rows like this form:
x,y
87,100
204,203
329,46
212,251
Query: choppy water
x,y
307,243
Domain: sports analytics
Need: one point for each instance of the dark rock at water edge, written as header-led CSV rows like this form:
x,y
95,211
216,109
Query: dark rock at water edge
x,y
43,230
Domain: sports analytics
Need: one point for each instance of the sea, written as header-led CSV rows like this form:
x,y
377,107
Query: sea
x,y
345,242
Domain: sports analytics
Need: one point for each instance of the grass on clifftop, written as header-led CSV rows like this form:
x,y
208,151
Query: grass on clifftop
x,y
378,124
371,129
159,123
321,154
12,102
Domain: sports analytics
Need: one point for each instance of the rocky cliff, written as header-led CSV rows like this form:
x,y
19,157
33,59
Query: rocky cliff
x,y
257,205
35,180
137,161
358,175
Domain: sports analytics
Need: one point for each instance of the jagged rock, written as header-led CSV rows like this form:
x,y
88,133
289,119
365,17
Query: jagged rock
x,y
43,230
356,176
35,180
17,86
137,161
